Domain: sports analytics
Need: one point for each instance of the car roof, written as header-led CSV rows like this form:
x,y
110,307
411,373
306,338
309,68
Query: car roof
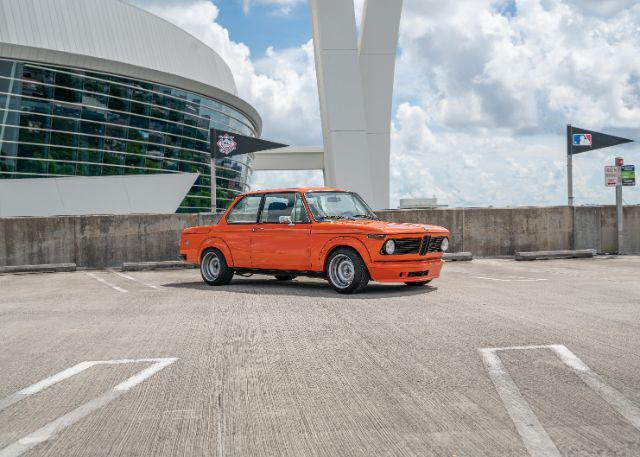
x,y
295,189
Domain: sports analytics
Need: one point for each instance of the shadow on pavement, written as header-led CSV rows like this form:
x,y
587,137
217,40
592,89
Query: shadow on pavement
x,y
305,287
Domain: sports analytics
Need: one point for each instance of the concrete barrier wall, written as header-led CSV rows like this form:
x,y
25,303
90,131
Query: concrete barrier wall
x,y
94,241
109,241
488,232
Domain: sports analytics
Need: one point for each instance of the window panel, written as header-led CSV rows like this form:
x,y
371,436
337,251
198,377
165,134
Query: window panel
x,y
62,168
63,139
31,166
111,158
65,125
109,171
245,211
67,95
62,154
83,169
85,155
32,150
134,161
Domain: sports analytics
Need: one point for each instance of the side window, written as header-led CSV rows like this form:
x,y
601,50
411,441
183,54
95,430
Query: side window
x,y
300,215
277,206
245,211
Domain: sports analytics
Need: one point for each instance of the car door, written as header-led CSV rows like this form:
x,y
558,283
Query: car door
x,y
240,223
281,239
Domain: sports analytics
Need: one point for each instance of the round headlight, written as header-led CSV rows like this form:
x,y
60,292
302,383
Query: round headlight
x,y
445,245
390,247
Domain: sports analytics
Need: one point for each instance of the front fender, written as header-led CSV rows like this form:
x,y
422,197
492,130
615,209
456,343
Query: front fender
x,y
348,241
219,244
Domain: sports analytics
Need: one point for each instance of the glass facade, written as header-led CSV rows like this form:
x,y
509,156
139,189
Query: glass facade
x,y
65,122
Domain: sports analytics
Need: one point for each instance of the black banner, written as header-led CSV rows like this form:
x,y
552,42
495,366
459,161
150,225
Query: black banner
x,y
227,144
582,140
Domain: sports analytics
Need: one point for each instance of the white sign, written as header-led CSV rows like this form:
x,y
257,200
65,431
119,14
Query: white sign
x,y
610,176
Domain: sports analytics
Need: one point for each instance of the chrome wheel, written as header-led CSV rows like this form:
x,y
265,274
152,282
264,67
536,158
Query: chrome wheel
x,y
211,266
341,271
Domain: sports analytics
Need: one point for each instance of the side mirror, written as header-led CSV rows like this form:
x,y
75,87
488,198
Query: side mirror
x,y
285,220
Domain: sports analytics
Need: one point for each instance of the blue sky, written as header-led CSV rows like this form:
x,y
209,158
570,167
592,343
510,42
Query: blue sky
x,y
263,26
483,90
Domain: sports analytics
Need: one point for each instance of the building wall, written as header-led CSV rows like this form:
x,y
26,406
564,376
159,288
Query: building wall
x,y
57,121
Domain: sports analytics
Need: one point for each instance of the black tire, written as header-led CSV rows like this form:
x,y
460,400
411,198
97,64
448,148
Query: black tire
x,y
418,283
285,277
346,271
214,269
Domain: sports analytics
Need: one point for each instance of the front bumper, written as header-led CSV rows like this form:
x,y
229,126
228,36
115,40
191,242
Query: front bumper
x,y
407,271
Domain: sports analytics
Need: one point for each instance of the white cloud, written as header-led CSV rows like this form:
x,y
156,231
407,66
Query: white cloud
x,y
494,93
281,86
482,97
283,6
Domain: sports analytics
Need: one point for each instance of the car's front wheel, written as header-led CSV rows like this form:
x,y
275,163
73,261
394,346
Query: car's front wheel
x,y
214,268
346,271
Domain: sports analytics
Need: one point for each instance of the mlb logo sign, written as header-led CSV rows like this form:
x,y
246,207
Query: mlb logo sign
x,y
582,139
226,144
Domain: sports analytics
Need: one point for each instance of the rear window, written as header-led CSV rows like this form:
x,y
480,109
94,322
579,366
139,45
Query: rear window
x,y
245,211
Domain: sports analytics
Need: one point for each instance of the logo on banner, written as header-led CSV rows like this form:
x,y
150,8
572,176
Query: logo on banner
x,y
582,139
226,144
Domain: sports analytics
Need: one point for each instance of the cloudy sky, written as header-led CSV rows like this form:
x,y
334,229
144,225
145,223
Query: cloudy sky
x,y
483,90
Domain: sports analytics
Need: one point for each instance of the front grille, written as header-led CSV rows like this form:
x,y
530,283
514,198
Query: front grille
x,y
407,245
431,244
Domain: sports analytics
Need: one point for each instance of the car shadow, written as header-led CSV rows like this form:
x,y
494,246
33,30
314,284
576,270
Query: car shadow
x,y
305,288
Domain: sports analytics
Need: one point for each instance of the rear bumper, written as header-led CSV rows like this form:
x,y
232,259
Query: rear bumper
x,y
189,256
411,271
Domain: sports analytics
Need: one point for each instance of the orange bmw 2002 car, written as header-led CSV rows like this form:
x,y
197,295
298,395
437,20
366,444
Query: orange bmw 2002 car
x,y
329,233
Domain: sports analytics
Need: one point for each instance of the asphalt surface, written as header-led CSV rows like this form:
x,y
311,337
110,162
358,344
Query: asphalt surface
x,y
264,368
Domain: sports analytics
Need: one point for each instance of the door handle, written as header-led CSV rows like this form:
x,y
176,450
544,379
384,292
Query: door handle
x,y
257,229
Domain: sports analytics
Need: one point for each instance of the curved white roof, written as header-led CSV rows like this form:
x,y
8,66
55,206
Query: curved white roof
x,y
112,36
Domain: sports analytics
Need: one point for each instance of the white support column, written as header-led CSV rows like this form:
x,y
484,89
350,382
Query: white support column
x,y
378,43
344,130
355,84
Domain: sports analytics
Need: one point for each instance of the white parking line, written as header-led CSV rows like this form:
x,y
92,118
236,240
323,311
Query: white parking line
x,y
535,438
131,278
52,428
104,281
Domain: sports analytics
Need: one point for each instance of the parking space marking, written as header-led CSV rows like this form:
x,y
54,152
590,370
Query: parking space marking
x,y
534,436
52,428
512,279
107,283
131,278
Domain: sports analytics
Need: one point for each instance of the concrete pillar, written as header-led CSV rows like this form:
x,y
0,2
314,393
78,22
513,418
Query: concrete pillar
x,y
355,85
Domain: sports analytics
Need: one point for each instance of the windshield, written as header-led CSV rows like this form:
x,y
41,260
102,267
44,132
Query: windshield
x,y
338,205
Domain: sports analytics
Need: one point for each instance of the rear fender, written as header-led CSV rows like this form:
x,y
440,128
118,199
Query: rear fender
x,y
219,244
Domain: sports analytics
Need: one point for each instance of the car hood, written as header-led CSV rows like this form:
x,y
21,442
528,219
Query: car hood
x,y
387,228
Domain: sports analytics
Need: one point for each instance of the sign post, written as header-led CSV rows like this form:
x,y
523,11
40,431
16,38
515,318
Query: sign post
x,y
582,140
569,165
619,208
620,175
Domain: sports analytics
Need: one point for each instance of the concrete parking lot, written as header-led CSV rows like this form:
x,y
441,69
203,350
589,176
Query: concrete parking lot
x,y
497,358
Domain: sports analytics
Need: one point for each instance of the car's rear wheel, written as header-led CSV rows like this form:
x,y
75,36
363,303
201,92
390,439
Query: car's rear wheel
x,y
285,277
346,271
418,283
214,268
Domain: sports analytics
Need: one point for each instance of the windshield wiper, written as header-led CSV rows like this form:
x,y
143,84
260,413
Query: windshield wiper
x,y
365,216
332,217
